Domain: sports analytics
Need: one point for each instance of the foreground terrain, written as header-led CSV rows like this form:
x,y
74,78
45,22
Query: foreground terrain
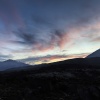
x,y
52,82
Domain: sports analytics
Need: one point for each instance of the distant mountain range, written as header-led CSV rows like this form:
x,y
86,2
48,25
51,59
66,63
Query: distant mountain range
x,y
92,59
8,64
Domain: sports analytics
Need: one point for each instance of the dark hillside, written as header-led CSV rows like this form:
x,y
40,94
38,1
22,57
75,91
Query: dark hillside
x,y
52,82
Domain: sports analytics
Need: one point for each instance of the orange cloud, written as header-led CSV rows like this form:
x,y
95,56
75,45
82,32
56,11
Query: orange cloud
x,y
52,58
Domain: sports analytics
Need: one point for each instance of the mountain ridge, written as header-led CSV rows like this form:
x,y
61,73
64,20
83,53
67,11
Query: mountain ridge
x,y
92,59
11,64
94,54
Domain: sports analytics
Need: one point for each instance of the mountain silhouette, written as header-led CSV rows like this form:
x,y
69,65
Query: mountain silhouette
x,y
94,54
93,59
8,64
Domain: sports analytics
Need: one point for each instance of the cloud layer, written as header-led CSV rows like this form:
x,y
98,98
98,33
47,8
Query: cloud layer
x,y
51,58
42,26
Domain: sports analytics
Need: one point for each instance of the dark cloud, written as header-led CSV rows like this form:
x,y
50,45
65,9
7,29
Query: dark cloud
x,y
25,37
43,58
51,58
41,42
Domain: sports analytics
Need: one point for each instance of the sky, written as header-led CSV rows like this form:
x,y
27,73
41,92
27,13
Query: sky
x,y
43,31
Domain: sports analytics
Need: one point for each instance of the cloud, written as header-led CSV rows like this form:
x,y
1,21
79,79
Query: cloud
x,y
97,39
49,24
41,42
51,58
5,57
49,33
43,59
